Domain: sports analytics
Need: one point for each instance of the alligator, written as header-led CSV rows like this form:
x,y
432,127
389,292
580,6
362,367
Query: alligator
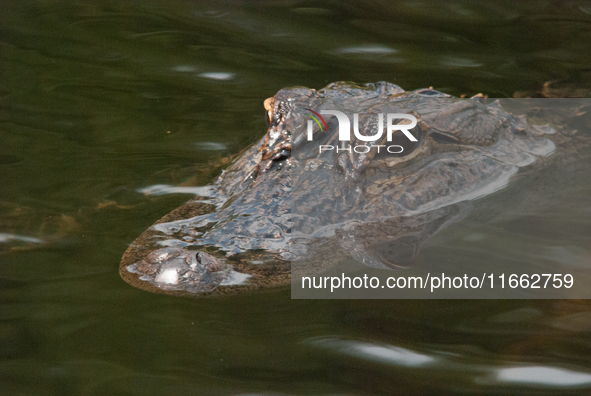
x,y
285,200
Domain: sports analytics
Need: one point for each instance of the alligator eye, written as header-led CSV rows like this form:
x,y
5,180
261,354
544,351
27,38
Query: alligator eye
x,y
267,119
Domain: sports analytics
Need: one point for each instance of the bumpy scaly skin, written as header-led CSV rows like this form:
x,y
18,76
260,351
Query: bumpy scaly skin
x,y
465,149
181,269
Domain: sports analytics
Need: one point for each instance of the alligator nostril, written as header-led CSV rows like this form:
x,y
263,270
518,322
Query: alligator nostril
x,y
181,269
191,260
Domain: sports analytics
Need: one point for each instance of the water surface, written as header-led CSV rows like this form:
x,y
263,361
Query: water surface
x,y
103,99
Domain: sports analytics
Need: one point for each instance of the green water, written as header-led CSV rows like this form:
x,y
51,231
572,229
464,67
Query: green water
x,y
100,99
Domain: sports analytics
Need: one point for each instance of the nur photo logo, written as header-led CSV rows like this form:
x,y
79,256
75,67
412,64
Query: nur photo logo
x,y
345,131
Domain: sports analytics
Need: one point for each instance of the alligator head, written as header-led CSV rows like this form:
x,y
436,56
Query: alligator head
x,y
285,198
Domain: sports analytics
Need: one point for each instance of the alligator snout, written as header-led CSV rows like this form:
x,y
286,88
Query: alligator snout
x,y
175,268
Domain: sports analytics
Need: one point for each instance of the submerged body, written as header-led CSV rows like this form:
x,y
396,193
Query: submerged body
x,y
285,199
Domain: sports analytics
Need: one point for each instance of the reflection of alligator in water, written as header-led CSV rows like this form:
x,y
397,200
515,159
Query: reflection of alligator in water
x,y
380,207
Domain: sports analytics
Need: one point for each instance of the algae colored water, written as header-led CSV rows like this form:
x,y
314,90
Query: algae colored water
x,y
102,100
